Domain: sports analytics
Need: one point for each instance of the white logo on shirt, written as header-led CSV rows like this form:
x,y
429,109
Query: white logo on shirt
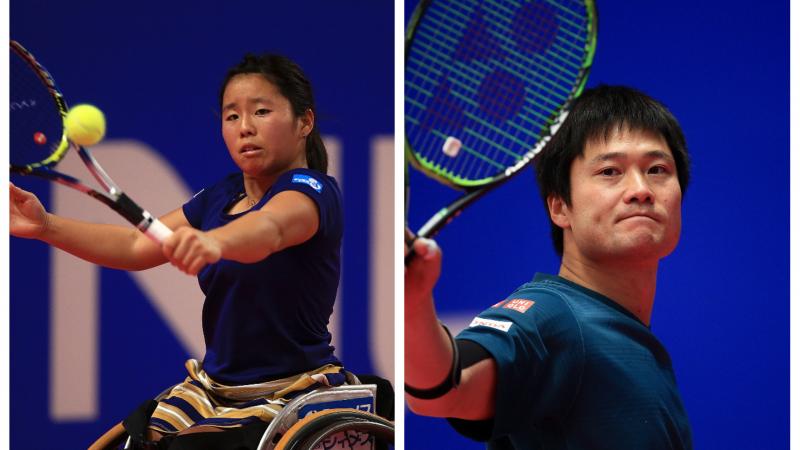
x,y
305,179
496,324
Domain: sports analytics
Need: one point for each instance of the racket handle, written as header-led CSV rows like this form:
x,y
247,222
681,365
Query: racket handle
x,y
143,220
157,231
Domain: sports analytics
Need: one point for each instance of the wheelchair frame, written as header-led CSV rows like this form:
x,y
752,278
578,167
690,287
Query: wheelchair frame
x,y
299,425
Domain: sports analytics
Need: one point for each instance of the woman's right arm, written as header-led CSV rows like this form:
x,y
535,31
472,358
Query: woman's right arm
x,y
113,246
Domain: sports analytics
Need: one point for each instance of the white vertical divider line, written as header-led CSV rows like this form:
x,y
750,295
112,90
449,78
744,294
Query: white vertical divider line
x,y
399,266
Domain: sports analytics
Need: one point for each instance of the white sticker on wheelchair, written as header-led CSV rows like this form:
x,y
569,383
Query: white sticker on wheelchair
x,y
346,439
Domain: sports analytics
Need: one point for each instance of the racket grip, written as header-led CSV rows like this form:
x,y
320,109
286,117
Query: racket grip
x,y
143,220
157,231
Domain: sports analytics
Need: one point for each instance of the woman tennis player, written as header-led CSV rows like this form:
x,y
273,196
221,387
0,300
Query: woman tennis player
x,y
264,243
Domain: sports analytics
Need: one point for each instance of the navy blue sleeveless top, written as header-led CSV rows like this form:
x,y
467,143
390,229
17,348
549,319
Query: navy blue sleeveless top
x,y
269,319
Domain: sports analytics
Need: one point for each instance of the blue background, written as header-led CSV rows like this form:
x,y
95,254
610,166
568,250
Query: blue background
x,y
155,68
722,303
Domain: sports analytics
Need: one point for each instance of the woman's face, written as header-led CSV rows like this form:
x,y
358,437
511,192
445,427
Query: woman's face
x,y
262,134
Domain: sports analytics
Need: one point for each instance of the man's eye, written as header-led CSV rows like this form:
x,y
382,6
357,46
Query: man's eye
x,y
231,117
658,170
262,111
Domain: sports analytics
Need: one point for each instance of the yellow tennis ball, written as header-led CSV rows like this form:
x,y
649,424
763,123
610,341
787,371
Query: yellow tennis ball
x,y
85,124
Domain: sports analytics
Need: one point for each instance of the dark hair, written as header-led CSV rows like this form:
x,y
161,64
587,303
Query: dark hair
x,y
292,84
599,112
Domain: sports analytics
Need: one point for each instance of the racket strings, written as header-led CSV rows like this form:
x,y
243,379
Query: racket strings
x,y
36,125
494,75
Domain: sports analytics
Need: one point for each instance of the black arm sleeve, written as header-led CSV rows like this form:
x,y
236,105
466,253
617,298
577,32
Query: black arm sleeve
x,y
479,430
471,353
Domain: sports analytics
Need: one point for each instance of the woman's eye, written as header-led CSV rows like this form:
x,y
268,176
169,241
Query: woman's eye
x,y
231,117
609,172
262,111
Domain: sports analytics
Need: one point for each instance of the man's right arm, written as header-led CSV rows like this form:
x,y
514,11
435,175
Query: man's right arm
x,y
429,349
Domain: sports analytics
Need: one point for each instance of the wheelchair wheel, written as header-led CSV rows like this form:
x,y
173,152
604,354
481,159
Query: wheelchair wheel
x,y
112,439
315,428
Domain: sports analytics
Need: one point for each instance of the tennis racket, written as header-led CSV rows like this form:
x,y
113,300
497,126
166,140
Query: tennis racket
x,y
39,141
487,83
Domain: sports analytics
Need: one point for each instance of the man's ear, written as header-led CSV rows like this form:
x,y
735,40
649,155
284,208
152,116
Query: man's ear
x,y
558,210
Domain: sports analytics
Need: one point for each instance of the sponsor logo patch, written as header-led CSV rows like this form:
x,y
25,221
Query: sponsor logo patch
x,y
496,324
305,179
519,304
497,305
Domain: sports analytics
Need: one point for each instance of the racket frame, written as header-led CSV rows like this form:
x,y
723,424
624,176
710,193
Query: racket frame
x,y
113,196
473,190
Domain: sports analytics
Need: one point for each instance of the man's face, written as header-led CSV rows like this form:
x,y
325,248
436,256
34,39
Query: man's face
x,y
626,200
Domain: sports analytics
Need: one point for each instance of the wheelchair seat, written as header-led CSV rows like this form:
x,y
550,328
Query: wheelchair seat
x,y
354,421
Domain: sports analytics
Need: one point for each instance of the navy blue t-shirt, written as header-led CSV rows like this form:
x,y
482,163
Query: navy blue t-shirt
x,y
575,370
269,319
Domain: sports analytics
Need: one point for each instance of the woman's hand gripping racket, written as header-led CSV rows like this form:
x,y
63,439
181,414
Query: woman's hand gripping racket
x,y
487,83
39,141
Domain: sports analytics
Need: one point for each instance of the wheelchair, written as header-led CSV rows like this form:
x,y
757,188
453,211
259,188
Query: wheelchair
x,y
340,417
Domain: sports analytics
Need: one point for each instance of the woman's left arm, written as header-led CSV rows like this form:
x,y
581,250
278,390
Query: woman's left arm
x,y
289,218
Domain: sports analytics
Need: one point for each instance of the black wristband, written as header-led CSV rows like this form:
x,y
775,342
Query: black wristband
x,y
452,380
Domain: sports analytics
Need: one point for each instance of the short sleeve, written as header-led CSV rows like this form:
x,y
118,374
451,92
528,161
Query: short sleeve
x,y
322,190
536,342
195,208
209,201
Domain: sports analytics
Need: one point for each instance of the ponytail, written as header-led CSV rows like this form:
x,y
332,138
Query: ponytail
x,y
316,153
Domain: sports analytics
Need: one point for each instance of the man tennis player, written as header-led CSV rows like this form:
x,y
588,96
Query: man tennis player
x,y
568,361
